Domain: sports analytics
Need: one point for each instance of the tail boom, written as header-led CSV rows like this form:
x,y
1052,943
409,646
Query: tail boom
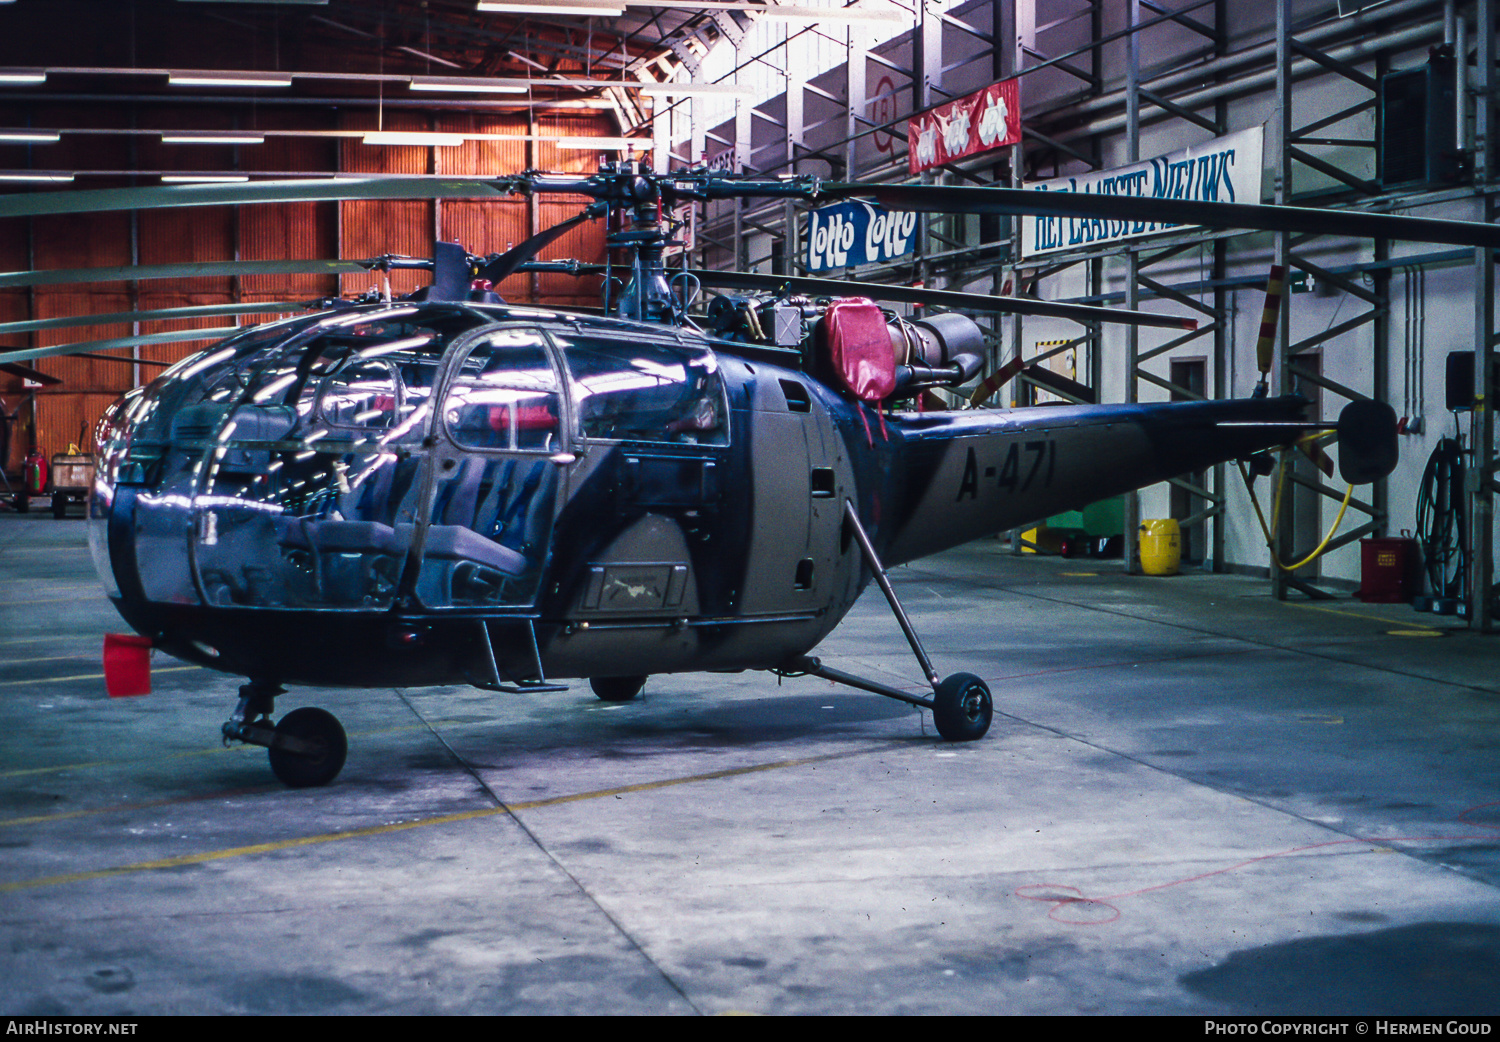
x,y
960,476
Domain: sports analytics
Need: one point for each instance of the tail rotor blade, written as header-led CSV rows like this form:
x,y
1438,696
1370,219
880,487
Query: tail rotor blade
x,y
1270,318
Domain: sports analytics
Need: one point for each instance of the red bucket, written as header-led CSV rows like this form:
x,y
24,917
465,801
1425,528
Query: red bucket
x,y
127,665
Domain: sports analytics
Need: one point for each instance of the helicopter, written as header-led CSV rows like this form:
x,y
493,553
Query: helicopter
x,y
444,488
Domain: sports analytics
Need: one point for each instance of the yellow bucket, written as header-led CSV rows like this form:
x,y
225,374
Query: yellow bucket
x,y
1161,547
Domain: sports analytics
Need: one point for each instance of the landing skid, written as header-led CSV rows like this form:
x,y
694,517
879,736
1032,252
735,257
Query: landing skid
x,y
961,705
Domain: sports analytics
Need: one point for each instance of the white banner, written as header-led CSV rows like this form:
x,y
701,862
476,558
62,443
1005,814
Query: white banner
x,y
1226,170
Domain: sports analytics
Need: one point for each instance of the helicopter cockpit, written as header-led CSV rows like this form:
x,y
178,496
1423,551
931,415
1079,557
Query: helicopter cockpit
x,y
408,453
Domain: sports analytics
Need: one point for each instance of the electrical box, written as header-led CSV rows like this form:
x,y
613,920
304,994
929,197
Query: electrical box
x,y
1418,125
1460,389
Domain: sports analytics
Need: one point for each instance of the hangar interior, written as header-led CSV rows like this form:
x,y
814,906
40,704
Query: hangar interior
x,y
1197,777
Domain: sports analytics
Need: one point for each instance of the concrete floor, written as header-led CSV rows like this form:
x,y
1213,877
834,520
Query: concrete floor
x,y
1194,800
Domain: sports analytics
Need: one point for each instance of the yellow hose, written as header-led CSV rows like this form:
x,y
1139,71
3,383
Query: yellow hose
x,y
1276,511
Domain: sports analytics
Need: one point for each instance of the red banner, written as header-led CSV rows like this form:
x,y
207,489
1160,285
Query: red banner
x,y
985,120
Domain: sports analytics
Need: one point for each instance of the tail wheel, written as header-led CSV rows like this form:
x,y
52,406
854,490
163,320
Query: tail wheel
x,y
309,748
962,709
617,689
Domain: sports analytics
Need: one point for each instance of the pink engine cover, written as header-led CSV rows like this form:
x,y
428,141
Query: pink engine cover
x,y
859,345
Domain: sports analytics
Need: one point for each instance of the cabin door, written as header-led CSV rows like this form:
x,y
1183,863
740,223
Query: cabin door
x,y
497,451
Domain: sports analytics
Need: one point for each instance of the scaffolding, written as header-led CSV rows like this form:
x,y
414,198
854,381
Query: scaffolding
x,y
1101,84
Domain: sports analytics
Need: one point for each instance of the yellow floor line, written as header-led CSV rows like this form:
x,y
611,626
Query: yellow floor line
x,y
89,676
36,600
404,826
210,751
1367,618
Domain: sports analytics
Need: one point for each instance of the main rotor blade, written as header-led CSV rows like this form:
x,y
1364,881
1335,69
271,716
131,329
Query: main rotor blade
x,y
98,200
506,264
1168,212
941,298
28,373
179,336
204,269
162,315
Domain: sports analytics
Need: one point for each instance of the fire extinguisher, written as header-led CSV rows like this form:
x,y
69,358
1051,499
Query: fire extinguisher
x,y
35,473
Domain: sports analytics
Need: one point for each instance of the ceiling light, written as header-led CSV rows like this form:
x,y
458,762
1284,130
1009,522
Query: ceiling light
x,y
600,10
682,90
36,177
22,76
229,79
183,179
616,143
213,138
32,136
460,84
789,12
412,137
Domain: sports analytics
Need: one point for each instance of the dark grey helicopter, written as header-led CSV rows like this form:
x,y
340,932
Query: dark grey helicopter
x,y
449,489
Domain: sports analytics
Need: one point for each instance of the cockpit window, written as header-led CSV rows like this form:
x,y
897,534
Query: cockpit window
x,y
642,390
506,395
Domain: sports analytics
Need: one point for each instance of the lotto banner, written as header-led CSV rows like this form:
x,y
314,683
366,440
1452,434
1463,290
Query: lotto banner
x,y
985,120
847,234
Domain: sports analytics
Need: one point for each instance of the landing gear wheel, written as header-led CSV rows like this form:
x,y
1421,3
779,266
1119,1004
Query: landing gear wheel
x,y
962,708
320,757
617,689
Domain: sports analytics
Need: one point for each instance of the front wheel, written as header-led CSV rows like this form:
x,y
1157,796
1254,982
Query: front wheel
x,y
617,689
308,749
962,708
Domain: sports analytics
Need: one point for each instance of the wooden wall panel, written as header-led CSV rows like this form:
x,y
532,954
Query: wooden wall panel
x,y
482,158
82,240
87,151
371,228
584,242
14,252
64,420
571,160
79,374
376,227
189,235
357,157
290,231
15,306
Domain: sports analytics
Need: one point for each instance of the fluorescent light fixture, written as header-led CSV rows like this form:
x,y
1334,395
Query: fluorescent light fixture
x,y
229,79
185,179
787,12
42,137
212,138
464,85
52,178
683,90
21,76
600,10
412,137
605,143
